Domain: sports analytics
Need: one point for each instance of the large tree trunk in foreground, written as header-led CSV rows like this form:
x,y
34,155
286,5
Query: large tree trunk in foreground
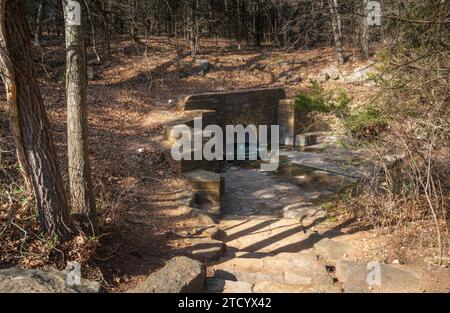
x,y
81,196
30,125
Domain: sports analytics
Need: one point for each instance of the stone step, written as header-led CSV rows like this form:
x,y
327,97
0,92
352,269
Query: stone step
x,y
265,235
314,138
208,187
204,249
228,286
300,269
271,287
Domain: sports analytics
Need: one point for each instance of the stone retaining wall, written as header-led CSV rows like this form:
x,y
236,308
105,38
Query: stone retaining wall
x,y
244,107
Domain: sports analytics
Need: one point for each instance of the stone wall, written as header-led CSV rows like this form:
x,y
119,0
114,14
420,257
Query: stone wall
x,y
243,107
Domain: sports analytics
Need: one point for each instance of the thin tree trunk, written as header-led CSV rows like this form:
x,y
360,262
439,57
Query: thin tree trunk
x,y
365,32
257,22
81,196
337,33
194,28
29,121
39,21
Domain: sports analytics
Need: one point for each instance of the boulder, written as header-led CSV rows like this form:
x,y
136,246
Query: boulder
x,y
201,67
15,280
330,72
179,275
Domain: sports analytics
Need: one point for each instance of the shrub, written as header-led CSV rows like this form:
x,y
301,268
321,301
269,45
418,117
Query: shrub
x,y
367,123
322,101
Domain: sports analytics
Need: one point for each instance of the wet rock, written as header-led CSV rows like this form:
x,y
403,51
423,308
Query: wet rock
x,y
179,275
394,278
331,251
17,280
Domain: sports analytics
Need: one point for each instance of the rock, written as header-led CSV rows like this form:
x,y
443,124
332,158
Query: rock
x,y
258,66
213,233
179,275
228,286
322,77
181,75
361,74
205,218
307,215
92,73
205,249
394,278
295,79
331,251
201,67
270,287
330,72
17,280
283,79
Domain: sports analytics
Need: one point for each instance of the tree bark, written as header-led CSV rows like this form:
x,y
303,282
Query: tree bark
x,y
365,32
30,125
337,33
39,21
82,199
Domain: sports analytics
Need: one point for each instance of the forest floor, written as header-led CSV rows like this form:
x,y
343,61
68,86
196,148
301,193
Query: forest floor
x,y
128,104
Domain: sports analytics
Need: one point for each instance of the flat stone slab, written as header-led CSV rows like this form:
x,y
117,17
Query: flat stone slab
x,y
179,275
202,179
331,251
306,215
205,249
228,286
337,161
17,280
300,269
394,279
265,235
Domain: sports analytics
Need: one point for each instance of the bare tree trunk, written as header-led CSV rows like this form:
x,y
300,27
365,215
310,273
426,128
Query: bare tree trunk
x,y
238,23
29,121
365,33
81,196
194,28
39,21
337,32
257,22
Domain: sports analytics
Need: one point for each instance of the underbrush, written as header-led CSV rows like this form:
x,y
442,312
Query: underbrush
x,y
405,133
22,242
